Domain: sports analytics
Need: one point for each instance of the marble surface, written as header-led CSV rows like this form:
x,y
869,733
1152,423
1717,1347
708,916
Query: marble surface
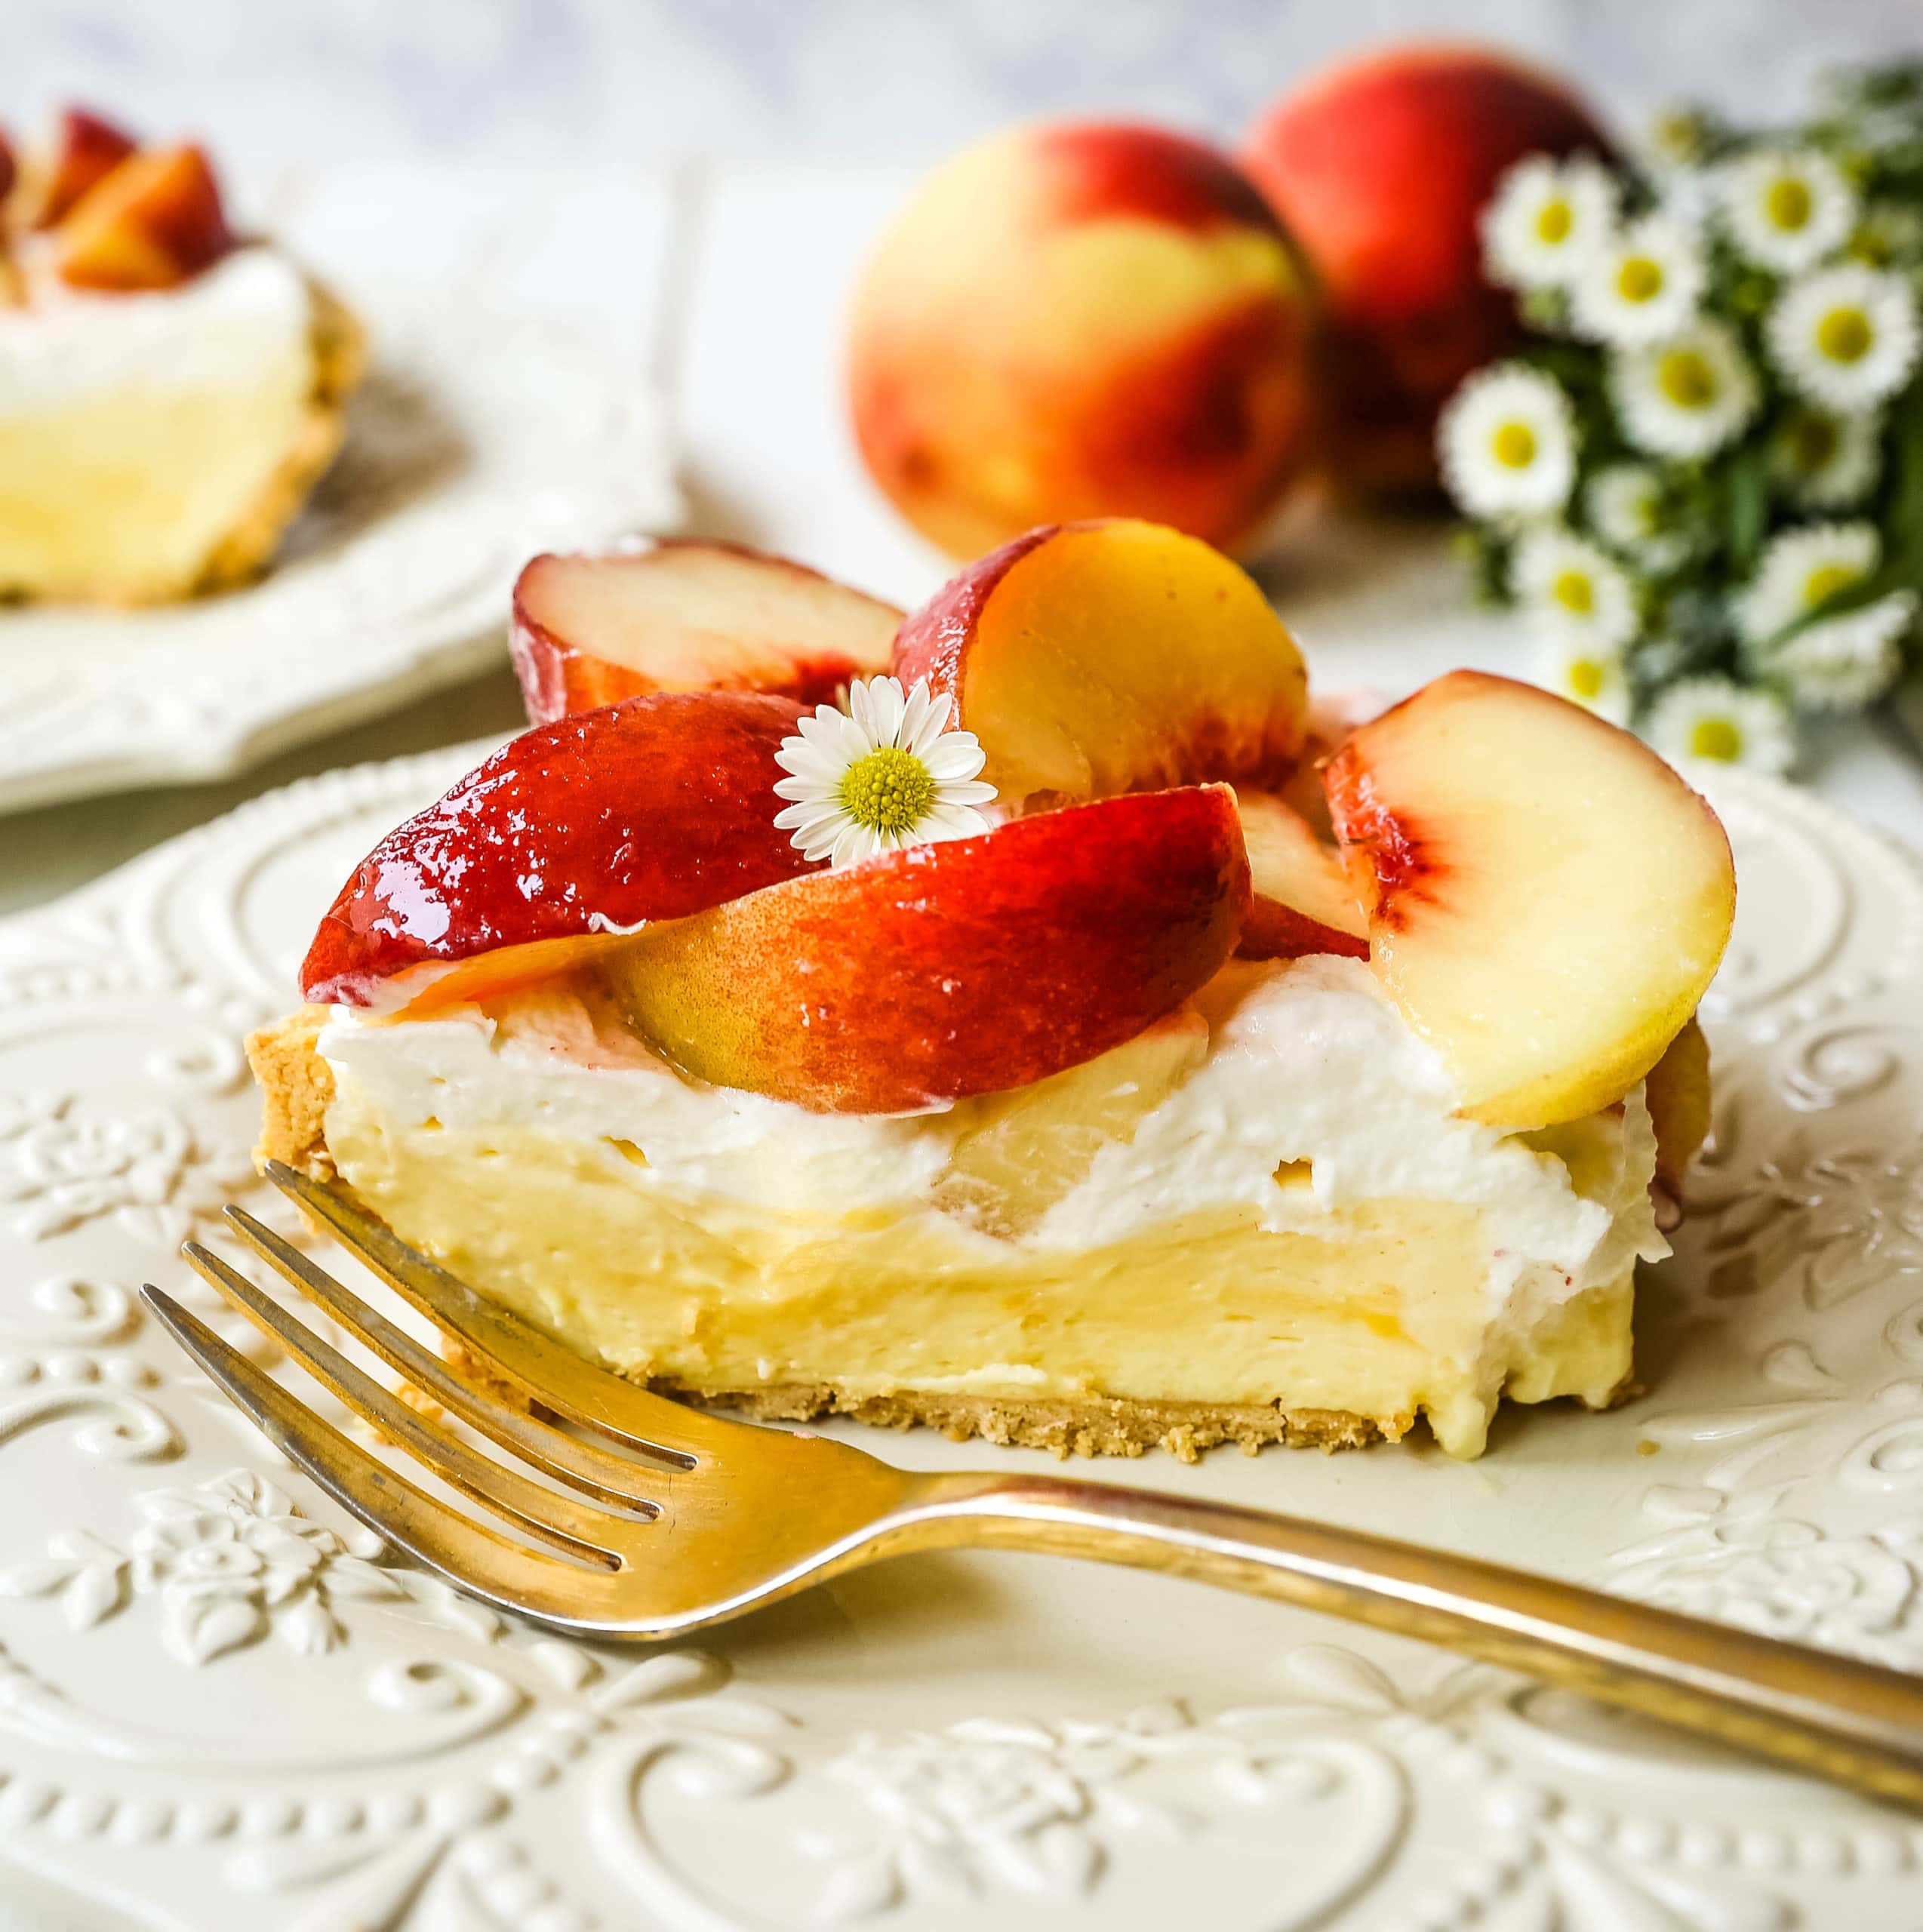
x,y
531,80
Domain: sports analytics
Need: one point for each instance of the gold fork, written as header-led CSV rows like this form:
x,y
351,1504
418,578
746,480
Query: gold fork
x,y
659,1518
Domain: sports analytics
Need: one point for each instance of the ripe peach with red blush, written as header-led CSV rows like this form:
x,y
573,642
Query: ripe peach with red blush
x,y
1083,319
1380,167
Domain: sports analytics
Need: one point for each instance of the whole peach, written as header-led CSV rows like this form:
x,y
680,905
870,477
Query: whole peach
x,y
1079,320
1381,168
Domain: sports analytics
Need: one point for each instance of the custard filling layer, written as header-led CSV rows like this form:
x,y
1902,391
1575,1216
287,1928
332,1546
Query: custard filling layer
x,y
1266,1200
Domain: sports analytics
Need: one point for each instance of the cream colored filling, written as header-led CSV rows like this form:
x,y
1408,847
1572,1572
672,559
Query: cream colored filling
x,y
137,432
1097,1235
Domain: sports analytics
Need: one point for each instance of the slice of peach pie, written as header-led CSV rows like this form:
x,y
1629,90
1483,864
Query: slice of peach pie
x,y
1060,1042
170,391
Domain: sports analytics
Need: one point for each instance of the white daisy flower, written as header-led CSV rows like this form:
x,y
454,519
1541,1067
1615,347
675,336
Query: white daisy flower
x,y
882,775
1689,194
1642,285
1846,336
1594,679
1717,719
1844,663
1688,396
1801,569
1573,591
1624,506
1507,442
1823,462
1786,208
1544,219
1889,236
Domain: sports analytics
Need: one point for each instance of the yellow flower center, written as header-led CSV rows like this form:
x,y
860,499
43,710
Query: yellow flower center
x,y
1554,222
1685,377
1717,738
1788,205
1514,445
890,790
1639,279
1812,441
1824,582
1845,335
1587,679
1574,592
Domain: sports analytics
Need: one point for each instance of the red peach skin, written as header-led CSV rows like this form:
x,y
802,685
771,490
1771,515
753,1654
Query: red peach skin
x,y
650,809
971,966
155,222
86,151
689,614
1381,168
1303,900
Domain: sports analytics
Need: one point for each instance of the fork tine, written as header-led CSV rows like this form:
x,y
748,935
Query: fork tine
x,y
490,1484
607,1478
480,1561
539,1370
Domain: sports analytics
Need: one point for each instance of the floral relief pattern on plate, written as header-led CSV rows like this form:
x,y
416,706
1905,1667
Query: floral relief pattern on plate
x,y
223,1705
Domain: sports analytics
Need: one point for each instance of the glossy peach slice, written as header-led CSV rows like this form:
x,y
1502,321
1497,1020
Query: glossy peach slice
x,y
974,966
155,222
1097,658
689,615
87,150
650,809
1303,900
1547,899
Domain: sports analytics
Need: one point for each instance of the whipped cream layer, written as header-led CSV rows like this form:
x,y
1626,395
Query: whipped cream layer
x,y
1307,1074
226,327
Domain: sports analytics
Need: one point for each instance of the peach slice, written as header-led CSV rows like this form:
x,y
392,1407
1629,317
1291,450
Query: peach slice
x,y
971,966
1095,658
1303,901
572,831
155,222
1547,899
87,150
689,615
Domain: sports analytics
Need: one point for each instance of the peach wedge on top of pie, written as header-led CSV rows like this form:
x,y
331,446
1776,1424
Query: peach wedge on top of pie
x,y
1052,1032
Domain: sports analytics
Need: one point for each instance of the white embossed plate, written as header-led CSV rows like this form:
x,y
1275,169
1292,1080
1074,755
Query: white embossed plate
x,y
221,1707
477,439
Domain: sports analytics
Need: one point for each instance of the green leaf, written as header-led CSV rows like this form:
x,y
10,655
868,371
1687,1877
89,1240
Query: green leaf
x,y
1747,482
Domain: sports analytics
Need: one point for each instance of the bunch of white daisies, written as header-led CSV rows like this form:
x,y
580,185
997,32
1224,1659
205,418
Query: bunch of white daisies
x,y
1702,480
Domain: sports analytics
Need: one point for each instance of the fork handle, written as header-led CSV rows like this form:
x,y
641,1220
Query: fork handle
x,y
1834,1717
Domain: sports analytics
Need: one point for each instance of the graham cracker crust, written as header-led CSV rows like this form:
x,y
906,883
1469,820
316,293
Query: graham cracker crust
x,y
1096,1426
340,350
297,1085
